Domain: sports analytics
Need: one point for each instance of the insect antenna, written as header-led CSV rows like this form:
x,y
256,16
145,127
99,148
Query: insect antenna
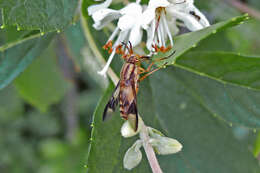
x,y
170,55
130,48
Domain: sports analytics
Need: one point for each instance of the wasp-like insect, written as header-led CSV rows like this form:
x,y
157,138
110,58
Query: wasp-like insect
x,y
127,87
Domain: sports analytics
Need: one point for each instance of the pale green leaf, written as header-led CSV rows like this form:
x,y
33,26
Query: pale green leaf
x,y
15,59
42,83
185,42
44,15
225,67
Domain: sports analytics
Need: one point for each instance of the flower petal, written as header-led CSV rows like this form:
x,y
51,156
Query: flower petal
x,y
190,10
122,37
135,36
190,21
133,9
150,35
202,19
104,16
94,8
180,1
147,17
126,22
172,26
158,3
131,16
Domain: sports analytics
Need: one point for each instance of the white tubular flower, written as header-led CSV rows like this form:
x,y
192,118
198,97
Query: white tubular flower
x,y
128,26
189,14
160,13
94,8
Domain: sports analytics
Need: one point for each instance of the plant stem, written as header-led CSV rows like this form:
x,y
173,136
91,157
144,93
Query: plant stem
x,y
149,151
244,8
154,164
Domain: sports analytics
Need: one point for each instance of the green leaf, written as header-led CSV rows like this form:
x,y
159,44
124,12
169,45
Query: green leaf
x,y
105,139
15,59
234,104
185,42
20,38
44,15
208,143
10,34
42,83
225,67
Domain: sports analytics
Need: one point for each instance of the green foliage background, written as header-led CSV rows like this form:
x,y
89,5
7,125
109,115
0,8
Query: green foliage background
x,y
51,97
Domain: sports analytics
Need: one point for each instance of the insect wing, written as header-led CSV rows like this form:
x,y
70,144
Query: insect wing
x,y
133,115
112,103
132,110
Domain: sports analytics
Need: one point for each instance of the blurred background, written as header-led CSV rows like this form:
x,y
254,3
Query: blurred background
x,y
46,113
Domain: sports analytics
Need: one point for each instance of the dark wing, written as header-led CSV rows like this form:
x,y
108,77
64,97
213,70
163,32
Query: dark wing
x,y
132,111
133,115
112,103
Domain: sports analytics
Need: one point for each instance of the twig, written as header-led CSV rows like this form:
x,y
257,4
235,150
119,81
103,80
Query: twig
x,y
149,151
244,8
154,164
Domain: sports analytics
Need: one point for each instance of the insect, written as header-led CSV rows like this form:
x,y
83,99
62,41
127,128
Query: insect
x,y
126,90
195,15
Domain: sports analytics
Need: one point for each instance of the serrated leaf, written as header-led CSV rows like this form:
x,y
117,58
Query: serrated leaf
x,y
185,42
44,15
225,67
15,59
42,83
208,143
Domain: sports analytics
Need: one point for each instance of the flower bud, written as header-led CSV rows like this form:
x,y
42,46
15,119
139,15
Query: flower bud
x,y
163,145
133,156
127,130
154,132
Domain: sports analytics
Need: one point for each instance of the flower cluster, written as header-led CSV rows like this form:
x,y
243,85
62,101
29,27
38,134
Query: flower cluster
x,y
158,19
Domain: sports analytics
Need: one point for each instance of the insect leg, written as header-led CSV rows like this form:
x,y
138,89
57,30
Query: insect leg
x,y
141,70
148,74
